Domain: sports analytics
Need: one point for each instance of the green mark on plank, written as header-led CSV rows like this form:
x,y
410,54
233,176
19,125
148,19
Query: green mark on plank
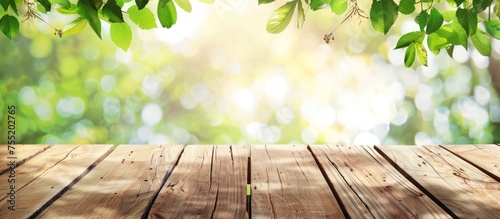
x,y
248,189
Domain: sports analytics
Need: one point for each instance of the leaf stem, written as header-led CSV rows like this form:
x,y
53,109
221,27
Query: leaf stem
x,y
489,13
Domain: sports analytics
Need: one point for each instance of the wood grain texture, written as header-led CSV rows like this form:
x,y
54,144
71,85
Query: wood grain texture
x,y
23,152
484,157
369,187
462,188
208,182
287,183
42,178
122,185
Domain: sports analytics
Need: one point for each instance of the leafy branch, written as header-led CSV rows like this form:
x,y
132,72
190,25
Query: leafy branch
x,y
438,29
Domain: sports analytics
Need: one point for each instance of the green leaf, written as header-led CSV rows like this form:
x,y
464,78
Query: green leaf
x,y
421,53
458,2
407,39
435,42
281,17
468,20
421,20
75,27
265,1
46,4
13,6
141,3
338,6
65,10
434,21
481,42
407,6
143,18
446,36
62,3
167,13
410,55
319,4
112,12
9,25
184,4
452,3
487,3
88,10
383,14
40,8
493,28
209,1
301,17
5,5
121,35
120,3
97,3
462,35
481,5
449,15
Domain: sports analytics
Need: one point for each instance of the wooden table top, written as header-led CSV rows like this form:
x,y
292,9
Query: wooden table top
x,y
257,181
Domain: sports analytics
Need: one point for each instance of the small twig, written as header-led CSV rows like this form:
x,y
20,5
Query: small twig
x,y
31,13
489,13
354,10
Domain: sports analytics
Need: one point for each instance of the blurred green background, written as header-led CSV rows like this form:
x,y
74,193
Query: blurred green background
x,y
217,77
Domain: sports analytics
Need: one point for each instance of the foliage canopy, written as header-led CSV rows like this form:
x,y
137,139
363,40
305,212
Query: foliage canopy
x,y
442,25
199,83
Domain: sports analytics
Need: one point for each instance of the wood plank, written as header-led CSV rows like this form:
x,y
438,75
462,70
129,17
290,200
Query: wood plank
x,y
208,182
122,185
287,183
23,152
369,187
43,178
459,186
484,157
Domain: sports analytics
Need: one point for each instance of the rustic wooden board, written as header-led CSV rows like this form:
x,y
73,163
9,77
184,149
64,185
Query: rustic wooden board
x,y
369,187
122,185
208,182
287,183
23,152
484,157
462,188
42,178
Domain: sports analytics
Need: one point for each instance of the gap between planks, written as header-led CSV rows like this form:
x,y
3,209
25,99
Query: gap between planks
x,y
40,179
23,152
480,156
458,185
369,187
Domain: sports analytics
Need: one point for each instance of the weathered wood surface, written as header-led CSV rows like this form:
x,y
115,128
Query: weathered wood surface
x,y
461,187
484,157
208,182
122,185
23,152
287,183
369,187
42,178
